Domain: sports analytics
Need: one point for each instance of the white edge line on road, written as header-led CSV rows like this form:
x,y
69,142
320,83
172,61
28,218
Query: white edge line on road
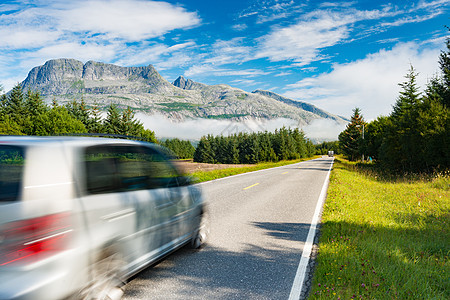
x,y
298,284
257,171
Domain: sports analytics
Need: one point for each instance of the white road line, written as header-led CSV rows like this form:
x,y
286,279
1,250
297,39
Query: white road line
x,y
257,171
297,286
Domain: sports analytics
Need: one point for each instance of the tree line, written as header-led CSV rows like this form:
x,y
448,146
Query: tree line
x,y
181,148
252,148
415,137
28,114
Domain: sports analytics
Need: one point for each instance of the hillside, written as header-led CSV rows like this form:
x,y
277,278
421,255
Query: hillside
x,y
145,90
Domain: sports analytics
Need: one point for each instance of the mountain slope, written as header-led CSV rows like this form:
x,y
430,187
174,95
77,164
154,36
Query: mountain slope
x,y
299,104
145,90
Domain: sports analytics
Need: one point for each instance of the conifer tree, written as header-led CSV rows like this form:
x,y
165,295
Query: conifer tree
x,y
15,104
95,126
34,104
204,152
112,122
129,125
403,137
444,64
350,139
233,150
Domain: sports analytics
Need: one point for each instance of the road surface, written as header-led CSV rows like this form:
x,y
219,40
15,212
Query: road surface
x,y
259,225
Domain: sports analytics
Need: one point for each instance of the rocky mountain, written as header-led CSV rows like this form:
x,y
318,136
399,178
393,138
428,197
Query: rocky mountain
x,y
187,84
145,90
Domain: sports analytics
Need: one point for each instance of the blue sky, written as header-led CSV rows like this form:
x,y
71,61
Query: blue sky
x,y
336,55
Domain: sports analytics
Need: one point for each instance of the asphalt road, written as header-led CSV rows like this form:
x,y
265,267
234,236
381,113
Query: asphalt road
x,y
259,225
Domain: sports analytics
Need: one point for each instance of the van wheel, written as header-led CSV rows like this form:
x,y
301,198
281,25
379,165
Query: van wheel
x,y
107,282
202,233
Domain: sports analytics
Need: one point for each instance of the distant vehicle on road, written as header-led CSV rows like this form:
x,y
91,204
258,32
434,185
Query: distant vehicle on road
x,y
330,153
79,216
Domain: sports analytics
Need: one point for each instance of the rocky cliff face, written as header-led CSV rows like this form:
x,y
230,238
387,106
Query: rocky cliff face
x,y
188,84
69,76
145,90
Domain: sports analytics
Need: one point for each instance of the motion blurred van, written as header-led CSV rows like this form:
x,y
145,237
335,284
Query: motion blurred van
x,y
79,216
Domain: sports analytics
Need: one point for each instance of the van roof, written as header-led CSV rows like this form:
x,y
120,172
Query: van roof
x,y
79,140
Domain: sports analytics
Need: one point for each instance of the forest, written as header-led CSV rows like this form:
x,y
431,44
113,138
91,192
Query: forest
x,y
27,114
252,148
415,137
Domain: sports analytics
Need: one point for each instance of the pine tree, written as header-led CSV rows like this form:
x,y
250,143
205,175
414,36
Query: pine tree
x,y
34,104
409,95
204,152
128,124
15,104
95,126
444,64
300,142
350,139
233,150
112,123
403,137
148,136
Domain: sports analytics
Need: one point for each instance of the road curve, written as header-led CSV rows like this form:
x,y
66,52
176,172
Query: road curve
x,y
259,225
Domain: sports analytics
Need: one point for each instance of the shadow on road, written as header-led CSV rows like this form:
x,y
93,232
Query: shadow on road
x,y
287,231
215,273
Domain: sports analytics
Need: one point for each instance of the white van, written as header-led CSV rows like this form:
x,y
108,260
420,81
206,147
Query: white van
x,y
79,216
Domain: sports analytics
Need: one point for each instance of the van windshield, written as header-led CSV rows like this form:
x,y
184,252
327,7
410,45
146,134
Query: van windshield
x,y
12,161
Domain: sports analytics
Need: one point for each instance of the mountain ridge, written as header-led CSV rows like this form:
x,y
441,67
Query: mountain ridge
x,y
145,90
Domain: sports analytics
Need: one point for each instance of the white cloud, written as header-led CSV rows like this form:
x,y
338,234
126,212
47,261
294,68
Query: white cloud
x,y
200,70
161,55
83,52
196,128
283,74
247,82
229,52
433,4
239,27
271,10
411,19
24,37
323,130
129,20
210,70
301,42
370,83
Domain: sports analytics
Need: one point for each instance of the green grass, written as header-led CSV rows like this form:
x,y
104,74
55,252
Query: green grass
x,y
383,239
202,176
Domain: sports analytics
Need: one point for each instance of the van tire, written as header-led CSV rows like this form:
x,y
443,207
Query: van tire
x,y
107,282
202,233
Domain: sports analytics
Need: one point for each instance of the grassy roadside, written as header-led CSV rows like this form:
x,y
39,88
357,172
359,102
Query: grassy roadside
x,y
383,239
201,176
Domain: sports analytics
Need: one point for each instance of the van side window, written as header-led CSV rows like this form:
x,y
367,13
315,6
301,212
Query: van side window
x,y
120,168
12,161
